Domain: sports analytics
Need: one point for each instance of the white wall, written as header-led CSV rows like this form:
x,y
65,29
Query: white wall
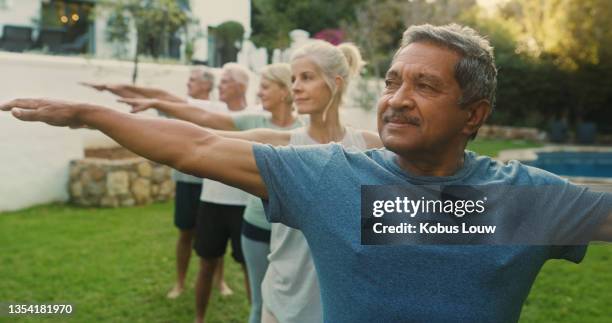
x,y
34,163
19,12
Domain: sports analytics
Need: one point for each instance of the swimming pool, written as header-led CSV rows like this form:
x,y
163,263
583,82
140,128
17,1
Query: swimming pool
x,y
581,164
585,164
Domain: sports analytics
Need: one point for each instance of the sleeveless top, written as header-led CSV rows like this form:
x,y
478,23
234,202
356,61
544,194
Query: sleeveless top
x,y
290,288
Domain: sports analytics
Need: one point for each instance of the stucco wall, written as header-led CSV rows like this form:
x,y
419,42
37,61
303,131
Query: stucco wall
x,y
19,12
34,163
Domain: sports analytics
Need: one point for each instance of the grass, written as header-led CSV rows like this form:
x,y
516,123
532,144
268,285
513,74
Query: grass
x,y
116,265
566,292
493,147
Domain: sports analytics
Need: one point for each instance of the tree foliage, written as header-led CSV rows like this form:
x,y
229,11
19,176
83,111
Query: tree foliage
x,y
228,42
272,20
379,24
570,32
154,21
554,56
570,41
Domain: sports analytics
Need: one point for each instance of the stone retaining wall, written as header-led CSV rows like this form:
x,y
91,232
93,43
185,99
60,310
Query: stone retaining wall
x,y
113,183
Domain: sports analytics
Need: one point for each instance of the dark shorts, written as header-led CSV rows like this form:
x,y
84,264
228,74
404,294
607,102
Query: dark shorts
x,y
217,223
255,233
186,203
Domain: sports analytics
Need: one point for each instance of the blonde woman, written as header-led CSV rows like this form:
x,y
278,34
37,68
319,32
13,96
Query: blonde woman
x,y
321,74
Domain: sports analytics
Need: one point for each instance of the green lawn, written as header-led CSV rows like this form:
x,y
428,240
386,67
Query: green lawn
x,y
116,265
492,147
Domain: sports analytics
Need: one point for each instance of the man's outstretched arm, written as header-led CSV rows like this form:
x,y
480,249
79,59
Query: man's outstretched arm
x,y
178,144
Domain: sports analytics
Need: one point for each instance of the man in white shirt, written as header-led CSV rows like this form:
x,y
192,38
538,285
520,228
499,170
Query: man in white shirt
x,y
188,188
221,206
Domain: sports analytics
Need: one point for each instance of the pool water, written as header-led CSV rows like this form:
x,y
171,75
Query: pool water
x,y
583,164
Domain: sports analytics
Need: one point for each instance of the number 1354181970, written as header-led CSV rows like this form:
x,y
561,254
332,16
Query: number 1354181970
x,y
28,309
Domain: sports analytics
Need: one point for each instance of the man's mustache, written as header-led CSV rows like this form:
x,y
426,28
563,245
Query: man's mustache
x,y
399,117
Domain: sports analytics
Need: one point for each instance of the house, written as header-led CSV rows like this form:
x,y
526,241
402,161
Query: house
x,y
63,27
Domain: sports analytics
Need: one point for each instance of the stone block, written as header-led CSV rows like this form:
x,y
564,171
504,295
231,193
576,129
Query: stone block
x,y
117,183
93,188
167,188
144,169
76,189
160,174
141,190
96,173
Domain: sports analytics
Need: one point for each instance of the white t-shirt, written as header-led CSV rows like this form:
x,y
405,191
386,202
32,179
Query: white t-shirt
x,y
213,106
219,193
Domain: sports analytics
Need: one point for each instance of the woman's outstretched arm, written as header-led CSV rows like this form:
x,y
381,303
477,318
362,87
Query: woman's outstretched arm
x,y
183,111
260,135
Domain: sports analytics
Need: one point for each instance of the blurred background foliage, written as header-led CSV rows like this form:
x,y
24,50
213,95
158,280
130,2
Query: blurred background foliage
x,y
156,22
554,56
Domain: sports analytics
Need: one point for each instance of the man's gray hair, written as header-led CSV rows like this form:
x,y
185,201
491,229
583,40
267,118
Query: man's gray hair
x,y
205,73
238,73
475,72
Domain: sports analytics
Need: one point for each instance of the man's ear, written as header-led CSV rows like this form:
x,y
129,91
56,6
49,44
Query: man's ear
x,y
478,112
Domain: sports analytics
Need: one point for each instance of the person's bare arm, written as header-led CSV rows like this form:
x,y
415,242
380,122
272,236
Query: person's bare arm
x,y
184,112
150,92
133,91
177,144
372,139
117,90
261,135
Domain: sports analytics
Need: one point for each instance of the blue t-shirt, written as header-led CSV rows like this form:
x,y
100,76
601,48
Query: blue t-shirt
x,y
317,189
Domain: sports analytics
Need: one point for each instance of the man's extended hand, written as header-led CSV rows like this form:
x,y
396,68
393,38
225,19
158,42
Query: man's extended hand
x,y
138,104
54,112
97,86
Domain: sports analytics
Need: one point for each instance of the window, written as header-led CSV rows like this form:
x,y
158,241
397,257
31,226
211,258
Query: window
x,y
65,26
5,4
